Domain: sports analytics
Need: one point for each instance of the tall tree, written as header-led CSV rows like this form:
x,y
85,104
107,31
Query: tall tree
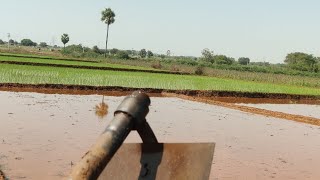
x,y
65,39
108,18
207,55
301,61
143,53
149,54
222,59
25,42
11,42
244,60
43,44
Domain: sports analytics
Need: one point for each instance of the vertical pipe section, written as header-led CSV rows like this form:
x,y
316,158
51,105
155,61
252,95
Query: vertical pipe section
x,y
129,115
96,159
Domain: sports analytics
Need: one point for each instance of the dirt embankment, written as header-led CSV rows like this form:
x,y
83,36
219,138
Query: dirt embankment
x,y
281,115
222,96
91,67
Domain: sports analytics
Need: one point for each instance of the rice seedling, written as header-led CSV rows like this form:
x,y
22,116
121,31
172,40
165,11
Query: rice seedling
x,y
69,62
53,75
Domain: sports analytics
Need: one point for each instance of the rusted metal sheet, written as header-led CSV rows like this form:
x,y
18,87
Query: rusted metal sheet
x,y
161,161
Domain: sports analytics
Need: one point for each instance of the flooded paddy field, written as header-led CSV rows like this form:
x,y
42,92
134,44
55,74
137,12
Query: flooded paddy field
x,y
297,109
43,135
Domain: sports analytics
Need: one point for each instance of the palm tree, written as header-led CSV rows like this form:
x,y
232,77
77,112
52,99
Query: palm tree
x,y
108,18
65,39
101,109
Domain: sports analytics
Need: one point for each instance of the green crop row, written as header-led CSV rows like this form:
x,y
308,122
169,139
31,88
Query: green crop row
x,y
69,62
53,75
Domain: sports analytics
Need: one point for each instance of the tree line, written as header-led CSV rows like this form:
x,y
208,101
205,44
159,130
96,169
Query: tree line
x,y
297,60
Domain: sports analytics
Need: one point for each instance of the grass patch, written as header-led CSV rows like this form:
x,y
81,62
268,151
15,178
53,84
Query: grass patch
x,y
265,77
34,56
70,62
52,75
171,66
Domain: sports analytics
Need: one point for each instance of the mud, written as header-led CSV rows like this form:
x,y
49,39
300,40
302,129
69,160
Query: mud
x,y
254,110
43,135
90,67
270,100
75,89
296,109
221,96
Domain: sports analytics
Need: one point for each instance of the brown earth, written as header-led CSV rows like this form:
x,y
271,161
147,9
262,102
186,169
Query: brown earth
x,y
221,96
268,113
264,100
90,67
44,135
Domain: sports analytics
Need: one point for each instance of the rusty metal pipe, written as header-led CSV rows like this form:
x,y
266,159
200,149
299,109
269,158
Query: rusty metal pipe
x,y
95,160
129,115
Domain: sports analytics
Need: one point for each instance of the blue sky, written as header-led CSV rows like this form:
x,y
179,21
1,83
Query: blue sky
x,y
262,30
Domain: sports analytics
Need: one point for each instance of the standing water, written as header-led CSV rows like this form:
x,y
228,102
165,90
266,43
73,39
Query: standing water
x,y
43,135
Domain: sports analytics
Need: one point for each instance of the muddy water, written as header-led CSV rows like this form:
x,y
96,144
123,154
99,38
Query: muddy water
x,y
297,109
42,135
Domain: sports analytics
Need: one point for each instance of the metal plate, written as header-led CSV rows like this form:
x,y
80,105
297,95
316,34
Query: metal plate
x,y
161,162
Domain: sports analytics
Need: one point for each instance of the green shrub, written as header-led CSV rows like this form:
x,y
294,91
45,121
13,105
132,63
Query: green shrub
x,y
28,42
199,70
174,68
123,55
156,65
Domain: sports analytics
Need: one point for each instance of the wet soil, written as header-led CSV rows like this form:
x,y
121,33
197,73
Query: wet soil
x,y
221,96
254,110
43,135
295,109
267,100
